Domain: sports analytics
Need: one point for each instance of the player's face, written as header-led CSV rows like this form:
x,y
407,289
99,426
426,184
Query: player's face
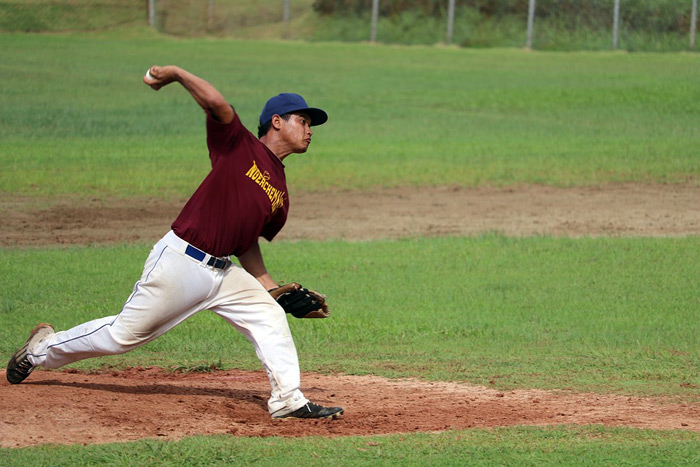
x,y
297,132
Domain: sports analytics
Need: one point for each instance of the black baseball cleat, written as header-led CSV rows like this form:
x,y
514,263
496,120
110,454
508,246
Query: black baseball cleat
x,y
311,410
19,366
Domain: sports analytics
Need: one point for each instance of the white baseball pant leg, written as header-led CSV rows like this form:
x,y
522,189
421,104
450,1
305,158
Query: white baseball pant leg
x,y
172,288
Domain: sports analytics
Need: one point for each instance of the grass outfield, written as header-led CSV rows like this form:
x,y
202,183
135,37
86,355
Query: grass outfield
x,y
498,446
76,118
608,315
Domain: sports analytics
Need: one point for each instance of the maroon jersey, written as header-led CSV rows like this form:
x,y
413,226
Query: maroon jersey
x,y
242,198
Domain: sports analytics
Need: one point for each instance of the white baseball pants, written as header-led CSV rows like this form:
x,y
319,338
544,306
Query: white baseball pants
x,y
173,287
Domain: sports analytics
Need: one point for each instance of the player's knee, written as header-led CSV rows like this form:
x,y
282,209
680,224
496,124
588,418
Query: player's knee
x,y
127,336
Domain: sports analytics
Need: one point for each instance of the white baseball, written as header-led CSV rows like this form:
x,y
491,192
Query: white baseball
x,y
148,74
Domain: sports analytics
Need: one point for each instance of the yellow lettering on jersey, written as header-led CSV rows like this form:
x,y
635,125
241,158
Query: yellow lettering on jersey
x,y
276,196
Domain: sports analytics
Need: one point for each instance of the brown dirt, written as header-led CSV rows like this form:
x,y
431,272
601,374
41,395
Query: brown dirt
x,y
618,210
75,408
68,407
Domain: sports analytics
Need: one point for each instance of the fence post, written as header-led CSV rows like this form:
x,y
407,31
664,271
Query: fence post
x,y
693,24
616,24
375,18
450,21
151,13
286,15
530,23
211,15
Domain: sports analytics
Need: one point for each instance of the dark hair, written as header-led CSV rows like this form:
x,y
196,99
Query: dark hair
x,y
263,129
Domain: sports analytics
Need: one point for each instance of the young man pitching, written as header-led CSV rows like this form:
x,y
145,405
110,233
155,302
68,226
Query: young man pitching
x,y
243,198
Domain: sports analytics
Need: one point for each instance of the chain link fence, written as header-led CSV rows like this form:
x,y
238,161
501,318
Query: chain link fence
x,y
649,25
655,25
70,15
231,18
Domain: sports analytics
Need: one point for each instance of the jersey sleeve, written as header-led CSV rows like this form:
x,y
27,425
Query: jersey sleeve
x,y
272,228
221,137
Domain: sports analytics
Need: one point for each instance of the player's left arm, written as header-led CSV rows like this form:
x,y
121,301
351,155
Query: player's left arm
x,y
294,298
252,261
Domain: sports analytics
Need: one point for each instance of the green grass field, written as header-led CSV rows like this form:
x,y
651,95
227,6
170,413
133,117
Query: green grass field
x,y
540,312
501,446
398,115
606,315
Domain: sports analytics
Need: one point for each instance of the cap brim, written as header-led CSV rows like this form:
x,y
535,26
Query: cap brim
x,y
317,116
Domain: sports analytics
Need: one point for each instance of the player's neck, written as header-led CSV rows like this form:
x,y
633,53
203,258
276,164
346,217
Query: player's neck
x,y
277,146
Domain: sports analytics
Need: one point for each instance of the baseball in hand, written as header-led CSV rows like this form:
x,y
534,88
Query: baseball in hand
x,y
148,74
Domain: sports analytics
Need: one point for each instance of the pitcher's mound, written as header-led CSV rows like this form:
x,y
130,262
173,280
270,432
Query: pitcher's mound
x,y
68,407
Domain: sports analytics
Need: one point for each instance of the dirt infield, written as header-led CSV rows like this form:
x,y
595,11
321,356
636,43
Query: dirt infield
x,y
619,210
75,408
68,407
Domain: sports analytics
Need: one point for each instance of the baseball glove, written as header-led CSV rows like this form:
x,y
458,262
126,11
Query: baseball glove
x,y
300,302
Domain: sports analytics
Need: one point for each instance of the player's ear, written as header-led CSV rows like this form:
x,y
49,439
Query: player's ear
x,y
276,122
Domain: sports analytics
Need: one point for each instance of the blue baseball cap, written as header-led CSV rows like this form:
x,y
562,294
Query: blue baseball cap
x,y
288,102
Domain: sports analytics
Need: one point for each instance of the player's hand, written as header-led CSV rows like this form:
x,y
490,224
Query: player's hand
x,y
300,302
158,76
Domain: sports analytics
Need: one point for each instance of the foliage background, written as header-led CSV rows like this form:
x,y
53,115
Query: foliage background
x,y
648,25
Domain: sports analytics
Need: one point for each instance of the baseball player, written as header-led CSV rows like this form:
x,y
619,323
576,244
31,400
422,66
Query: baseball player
x,y
244,197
